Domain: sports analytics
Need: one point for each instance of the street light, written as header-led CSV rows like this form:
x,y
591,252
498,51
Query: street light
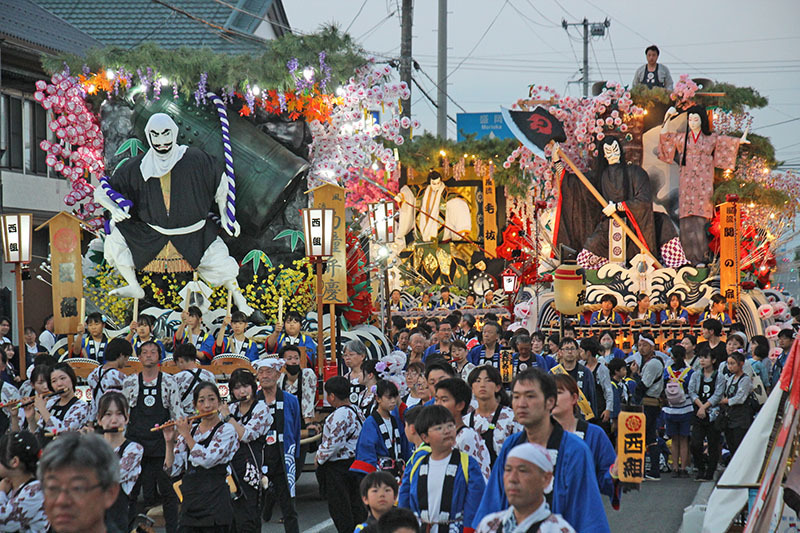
x,y
17,233
318,232
381,220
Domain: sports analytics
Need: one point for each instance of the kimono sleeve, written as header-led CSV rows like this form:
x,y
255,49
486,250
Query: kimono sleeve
x,y
668,144
725,150
604,457
494,495
219,451
122,180
207,348
252,351
579,494
404,491
292,422
366,460
475,489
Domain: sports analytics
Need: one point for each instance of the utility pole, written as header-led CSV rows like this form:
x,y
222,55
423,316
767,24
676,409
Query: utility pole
x,y
585,57
593,29
406,21
441,98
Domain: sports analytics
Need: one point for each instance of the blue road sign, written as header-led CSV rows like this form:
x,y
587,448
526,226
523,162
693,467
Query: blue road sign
x,y
484,124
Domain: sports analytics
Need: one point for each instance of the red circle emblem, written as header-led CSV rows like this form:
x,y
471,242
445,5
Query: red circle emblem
x,y
65,240
633,423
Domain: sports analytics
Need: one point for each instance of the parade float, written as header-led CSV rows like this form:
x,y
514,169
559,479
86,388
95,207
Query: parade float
x,y
322,127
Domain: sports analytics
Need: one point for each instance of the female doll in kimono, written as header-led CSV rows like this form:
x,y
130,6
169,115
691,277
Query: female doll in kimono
x,y
700,151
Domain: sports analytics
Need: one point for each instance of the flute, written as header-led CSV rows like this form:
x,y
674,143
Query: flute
x,y
101,431
29,399
173,422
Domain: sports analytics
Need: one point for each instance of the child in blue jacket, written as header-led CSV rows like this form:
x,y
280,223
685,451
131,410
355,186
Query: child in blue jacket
x,y
443,486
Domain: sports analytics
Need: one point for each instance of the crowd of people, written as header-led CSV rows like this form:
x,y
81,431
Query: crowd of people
x,y
487,430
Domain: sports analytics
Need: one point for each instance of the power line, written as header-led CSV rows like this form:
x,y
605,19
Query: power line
x,y
614,54
525,20
360,9
479,40
565,10
637,33
221,29
431,100
375,27
419,69
776,124
540,13
591,43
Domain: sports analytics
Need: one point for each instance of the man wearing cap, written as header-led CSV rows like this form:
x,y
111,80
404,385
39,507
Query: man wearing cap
x,y
282,446
528,475
575,494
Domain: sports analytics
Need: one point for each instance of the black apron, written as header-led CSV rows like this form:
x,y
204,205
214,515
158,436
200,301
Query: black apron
x,y
118,512
144,417
206,495
651,81
249,458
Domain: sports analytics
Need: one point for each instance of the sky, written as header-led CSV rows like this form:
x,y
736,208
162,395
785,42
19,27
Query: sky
x,y
497,48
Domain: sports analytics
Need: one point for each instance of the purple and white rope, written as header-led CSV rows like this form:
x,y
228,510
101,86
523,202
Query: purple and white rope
x,y
116,197
230,202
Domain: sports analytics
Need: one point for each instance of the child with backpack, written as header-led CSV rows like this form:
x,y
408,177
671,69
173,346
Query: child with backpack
x,y
705,391
678,412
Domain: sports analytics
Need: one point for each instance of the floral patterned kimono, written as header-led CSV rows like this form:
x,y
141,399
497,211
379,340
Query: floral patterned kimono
x,y
703,154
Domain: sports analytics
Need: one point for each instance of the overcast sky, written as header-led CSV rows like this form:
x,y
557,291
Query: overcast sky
x,y
739,41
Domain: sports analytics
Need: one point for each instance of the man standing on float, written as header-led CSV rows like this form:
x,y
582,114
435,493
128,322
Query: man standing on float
x,y
159,204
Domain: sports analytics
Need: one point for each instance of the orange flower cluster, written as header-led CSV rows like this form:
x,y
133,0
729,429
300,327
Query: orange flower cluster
x,y
309,105
96,82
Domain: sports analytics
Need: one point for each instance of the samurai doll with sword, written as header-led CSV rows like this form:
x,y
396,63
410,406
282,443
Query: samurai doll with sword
x,y
622,209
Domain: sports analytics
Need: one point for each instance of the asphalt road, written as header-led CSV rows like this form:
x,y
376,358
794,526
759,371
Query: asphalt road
x,y
656,508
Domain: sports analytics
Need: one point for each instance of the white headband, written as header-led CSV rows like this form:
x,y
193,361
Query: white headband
x,y
533,453
269,362
648,341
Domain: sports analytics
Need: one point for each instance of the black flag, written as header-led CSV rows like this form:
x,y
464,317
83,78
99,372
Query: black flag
x,y
534,129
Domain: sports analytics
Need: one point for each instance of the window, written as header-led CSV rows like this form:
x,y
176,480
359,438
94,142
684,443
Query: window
x,y
12,133
23,126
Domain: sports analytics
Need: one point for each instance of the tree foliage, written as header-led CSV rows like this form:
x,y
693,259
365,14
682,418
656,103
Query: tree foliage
x,y
184,66
422,153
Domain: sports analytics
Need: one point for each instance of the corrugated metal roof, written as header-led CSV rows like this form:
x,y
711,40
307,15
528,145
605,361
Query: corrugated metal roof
x,y
131,22
25,21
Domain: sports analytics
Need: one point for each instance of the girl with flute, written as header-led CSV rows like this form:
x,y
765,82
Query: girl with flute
x,y
40,380
63,412
251,419
202,453
112,418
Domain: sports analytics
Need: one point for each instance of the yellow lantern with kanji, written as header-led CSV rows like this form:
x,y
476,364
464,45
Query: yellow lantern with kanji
x,y
569,286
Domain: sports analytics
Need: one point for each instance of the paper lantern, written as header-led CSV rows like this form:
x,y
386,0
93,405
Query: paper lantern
x,y
17,237
569,287
765,311
772,332
318,232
